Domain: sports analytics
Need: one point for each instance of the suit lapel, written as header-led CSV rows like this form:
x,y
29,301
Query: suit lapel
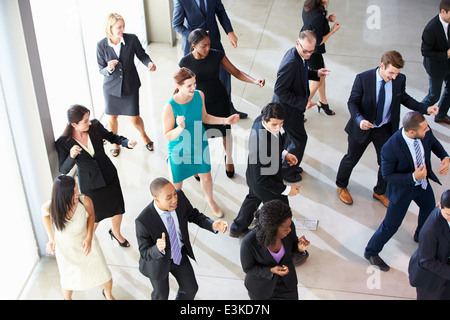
x,y
405,149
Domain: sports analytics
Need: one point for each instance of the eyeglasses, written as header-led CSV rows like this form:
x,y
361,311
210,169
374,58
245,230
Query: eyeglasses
x,y
306,51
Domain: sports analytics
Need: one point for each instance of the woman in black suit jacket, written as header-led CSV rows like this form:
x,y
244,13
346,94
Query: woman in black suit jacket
x,y
115,58
82,144
266,254
314,17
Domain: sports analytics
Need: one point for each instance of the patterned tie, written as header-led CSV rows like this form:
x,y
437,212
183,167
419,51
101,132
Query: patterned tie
x,y
176,251
419,161
380,103
203,7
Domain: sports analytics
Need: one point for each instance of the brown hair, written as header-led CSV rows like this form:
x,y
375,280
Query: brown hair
x,y
445,5
311,5
393,58
182,75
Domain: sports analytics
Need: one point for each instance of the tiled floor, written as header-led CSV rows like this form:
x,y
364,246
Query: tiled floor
x,y
336,268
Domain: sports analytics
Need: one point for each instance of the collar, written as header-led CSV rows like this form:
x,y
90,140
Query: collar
x,y
408,140
277,136
122,41
158,210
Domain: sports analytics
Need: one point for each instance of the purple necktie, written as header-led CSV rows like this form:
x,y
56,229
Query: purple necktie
x,y
176,251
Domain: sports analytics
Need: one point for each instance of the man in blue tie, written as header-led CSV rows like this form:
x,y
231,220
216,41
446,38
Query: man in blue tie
x,y
406,166
163,239
374,106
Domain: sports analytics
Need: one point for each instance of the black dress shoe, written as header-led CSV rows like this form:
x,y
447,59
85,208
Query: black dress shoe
x,y
242,115
377,261
296,178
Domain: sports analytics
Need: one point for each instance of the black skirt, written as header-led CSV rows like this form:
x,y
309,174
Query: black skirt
x,y
316,62
124,105
108,201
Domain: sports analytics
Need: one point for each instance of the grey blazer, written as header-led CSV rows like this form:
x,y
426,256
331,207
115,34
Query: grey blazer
x,y
124,80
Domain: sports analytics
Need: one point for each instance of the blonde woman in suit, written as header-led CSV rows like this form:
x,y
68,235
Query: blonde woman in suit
x,y
115,58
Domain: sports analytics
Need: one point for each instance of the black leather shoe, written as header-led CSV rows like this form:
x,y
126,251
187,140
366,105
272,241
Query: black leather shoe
x,y
293,179
377,261
445,119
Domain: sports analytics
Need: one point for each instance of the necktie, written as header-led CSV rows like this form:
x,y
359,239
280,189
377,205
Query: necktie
x,y
202,7
380,103
419,161
176,251
306,77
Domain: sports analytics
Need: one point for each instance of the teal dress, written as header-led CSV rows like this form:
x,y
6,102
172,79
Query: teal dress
x,y
189,152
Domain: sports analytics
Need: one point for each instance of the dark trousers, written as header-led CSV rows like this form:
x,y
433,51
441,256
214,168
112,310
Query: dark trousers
x,y
434,94
296,139
442,293
395,214
377,136
184,274
249,206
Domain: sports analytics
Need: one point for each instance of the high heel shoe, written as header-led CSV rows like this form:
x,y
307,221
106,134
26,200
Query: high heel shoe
x,y
326,109
229,174
122,244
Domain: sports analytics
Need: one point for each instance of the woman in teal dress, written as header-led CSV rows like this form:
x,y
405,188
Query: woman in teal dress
x,y
188,149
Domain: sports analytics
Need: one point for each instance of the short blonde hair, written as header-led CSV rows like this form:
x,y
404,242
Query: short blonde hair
x,y
111,20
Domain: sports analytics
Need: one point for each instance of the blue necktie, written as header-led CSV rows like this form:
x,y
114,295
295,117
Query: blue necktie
x,y
419,162
176,251
202,7
380,103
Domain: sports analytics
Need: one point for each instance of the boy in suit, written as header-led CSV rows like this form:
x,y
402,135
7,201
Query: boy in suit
x,y
406,166
163,238
264,179
429,270
436,52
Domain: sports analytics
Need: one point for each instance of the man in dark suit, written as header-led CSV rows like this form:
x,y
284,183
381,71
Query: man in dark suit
x,y
436,52
189,15
406,166
265,155
163,238
374,106
429,268
292,92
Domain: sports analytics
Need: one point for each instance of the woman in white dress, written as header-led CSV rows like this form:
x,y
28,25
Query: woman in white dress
x,y
80,259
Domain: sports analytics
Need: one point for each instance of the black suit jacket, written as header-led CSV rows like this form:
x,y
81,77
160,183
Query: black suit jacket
x,y
434,49
291,88
93,172
264,160
257,261
149,228
362,103
124,80
189,10
429,266
397,164
317,22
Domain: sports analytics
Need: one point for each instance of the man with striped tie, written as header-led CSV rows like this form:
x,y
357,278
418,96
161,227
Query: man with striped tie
x,y
163,239
406,166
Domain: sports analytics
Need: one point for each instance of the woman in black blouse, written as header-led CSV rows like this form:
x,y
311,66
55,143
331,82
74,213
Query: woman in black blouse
x,y
315,18
81,144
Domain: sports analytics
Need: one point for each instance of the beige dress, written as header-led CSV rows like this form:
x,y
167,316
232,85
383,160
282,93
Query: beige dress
x,y
77,271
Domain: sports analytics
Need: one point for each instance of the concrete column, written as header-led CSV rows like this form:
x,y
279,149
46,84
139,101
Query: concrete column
x,y
158,17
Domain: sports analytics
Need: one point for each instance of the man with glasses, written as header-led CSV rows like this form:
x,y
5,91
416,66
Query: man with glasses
x,y
292,92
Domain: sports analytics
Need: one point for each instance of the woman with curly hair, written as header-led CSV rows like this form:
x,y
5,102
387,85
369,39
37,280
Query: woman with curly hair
x,y
267,251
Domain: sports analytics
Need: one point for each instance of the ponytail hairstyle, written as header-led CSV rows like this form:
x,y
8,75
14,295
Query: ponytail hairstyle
x,y
182,75
268,219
